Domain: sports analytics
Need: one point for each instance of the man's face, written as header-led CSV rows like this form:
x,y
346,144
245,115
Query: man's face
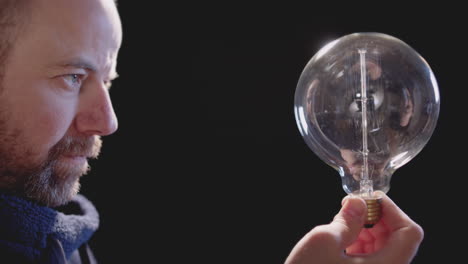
x,y
54,99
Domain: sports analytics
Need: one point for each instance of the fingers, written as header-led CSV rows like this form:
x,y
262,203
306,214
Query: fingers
x,y
349,221
399,235
326,243
405,235
393,217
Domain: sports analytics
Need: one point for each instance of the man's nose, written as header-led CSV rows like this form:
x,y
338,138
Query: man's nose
x,y
96,115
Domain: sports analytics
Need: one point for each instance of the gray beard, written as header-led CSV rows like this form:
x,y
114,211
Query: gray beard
x,y
46,182
50,189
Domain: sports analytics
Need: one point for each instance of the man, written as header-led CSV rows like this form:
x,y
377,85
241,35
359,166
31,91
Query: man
x,y
57,61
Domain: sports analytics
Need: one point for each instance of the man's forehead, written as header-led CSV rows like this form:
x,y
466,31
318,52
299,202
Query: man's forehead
x,y
64,17
91,41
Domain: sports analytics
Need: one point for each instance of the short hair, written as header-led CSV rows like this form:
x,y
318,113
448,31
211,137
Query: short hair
x,y
11,13
12,18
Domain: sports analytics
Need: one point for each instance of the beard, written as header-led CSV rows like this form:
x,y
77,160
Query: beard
x,y
52,180
56,180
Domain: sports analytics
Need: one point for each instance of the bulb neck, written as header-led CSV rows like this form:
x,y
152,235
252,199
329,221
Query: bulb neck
x,y
374,211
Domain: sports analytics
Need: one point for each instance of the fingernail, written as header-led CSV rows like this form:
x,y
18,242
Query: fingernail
x,y
345,199
353,207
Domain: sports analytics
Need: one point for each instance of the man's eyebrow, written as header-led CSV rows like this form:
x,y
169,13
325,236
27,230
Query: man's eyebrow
x,y
80,63
85,64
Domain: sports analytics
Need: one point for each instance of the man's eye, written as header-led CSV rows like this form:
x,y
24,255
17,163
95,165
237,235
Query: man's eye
x,y
73,80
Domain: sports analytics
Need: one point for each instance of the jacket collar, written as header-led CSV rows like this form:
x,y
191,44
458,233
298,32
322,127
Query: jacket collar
x,y
25,226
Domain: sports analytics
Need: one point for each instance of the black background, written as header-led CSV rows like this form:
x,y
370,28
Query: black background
x,y
208,164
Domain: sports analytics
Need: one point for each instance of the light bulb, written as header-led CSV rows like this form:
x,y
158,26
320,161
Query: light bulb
x,y
366,104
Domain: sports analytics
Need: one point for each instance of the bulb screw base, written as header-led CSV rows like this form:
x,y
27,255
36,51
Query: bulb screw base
x,y
374,211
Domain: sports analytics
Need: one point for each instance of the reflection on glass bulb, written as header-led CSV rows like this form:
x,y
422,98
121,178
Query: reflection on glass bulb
x,y
366,104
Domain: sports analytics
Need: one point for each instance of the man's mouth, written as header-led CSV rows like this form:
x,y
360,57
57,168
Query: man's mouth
x,y
79,155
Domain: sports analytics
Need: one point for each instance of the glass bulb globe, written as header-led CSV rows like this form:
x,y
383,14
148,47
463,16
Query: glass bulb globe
x,y
366,104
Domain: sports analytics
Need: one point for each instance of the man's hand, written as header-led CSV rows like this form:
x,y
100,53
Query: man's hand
x,y
394,239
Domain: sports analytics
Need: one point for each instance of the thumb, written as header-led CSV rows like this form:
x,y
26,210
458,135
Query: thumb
x,y
348,223
332,238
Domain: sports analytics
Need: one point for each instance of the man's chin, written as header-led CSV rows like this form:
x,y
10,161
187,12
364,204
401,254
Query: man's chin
x,y
58,184
65,196
72,165
67,185
68,195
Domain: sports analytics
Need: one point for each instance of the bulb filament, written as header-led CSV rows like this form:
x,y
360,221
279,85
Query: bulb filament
x,y
366,188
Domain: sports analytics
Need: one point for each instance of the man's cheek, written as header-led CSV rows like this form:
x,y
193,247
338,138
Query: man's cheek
x,y
52,126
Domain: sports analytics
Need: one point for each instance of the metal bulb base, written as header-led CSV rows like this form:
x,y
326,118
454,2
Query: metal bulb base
x,y
374,212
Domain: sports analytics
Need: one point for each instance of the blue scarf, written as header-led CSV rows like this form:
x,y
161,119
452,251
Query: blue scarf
x,y
26,226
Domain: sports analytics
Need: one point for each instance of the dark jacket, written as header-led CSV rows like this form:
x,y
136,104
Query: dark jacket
x,y
31,233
